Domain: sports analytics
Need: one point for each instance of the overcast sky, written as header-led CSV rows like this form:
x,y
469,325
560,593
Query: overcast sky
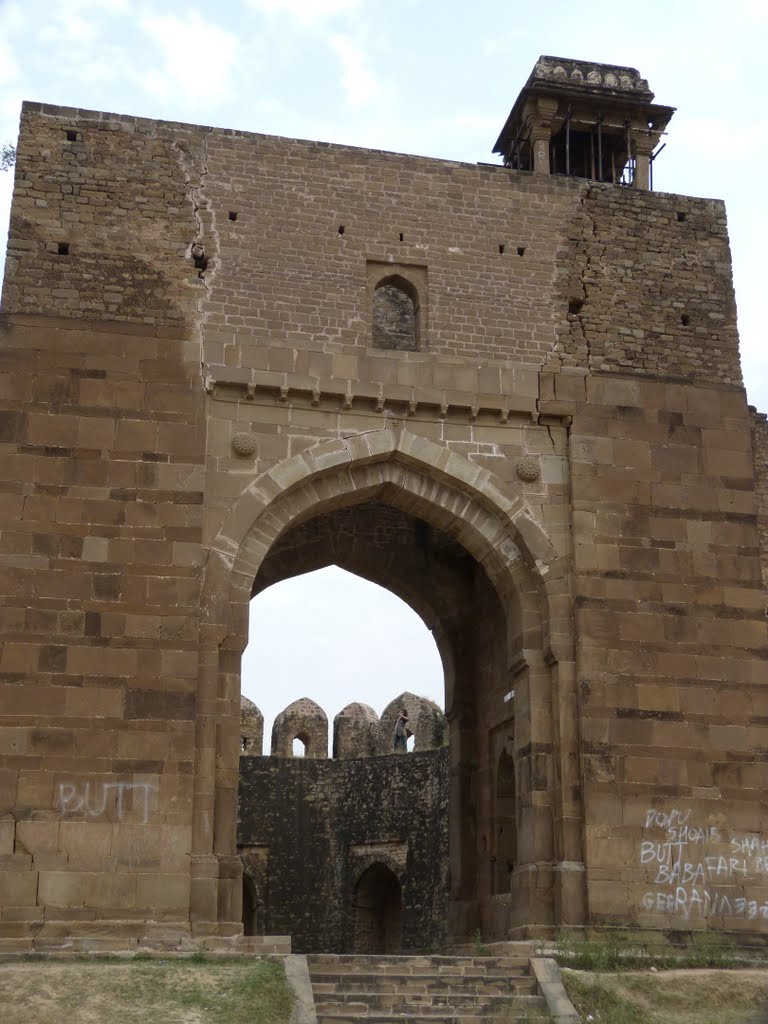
x,y
433,77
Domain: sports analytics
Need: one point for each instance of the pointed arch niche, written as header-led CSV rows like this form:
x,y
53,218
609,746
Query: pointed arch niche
x,y
461,548
397,296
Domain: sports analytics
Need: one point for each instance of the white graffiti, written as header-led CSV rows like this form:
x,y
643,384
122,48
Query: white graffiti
x,y
701,870
95,799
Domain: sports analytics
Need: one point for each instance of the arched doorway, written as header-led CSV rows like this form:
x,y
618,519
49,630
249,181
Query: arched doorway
x,y
250,906
468,556
376,911
505,817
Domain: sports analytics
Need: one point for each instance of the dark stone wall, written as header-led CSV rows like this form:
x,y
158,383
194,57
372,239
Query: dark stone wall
x,y
312,827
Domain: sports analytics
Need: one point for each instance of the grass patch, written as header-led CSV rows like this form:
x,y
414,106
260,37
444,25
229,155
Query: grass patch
x,y
598,1002
145,992
619,952
696,996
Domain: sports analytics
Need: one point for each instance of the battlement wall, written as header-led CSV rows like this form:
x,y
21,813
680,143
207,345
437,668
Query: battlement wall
x,y
309,828
357,730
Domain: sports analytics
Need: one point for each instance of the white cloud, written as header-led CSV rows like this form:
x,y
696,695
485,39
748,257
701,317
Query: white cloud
x,y
306,11
69,28
9,68
11,16
197,56
360,84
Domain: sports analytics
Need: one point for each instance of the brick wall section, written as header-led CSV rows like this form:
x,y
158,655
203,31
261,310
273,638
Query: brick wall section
x,y
649,287
118,468
101,479
123,197
671,625
759,424
323,823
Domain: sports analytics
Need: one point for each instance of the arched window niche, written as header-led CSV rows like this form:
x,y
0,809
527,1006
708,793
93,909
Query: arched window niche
x,y
396,315
397,303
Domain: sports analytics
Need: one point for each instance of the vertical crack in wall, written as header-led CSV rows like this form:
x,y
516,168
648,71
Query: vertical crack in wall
x,y
203,250
593,254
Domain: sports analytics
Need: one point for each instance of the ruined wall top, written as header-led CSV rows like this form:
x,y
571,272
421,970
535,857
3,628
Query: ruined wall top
x,y
357,730
590,75
304,721
251,727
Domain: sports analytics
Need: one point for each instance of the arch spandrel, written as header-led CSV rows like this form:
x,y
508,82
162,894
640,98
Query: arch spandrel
x,y
487,515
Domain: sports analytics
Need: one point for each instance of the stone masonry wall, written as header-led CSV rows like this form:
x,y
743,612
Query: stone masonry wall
x,y
670,613
319,823
102,441
649,287
121,195
759,423
182,314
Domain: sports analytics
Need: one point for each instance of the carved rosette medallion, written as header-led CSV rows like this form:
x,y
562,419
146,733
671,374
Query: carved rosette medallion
x,y
527,469
244,444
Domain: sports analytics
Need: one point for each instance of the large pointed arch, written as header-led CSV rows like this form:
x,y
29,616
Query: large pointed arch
x,y
488,517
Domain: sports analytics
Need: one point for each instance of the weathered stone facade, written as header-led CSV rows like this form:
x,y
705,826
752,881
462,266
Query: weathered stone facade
x,y
560,480
348,854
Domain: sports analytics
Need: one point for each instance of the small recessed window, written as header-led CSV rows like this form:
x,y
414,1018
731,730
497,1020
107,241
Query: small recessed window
x,y
232,215
63,249
402,236
575,306
396,315
341,229
685,320
501,250
680,216
521,250
71,136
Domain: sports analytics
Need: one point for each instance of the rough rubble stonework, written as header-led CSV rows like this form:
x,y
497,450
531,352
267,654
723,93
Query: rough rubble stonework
x,y
602,626
329,844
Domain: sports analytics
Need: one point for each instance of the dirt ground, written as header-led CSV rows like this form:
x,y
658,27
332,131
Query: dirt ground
x,y
146,991
670,997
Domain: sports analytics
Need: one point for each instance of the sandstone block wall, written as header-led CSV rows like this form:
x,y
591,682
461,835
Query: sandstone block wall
x,y
189,378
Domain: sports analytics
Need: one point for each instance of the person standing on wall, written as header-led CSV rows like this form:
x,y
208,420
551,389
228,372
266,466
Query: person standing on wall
x,y
401,731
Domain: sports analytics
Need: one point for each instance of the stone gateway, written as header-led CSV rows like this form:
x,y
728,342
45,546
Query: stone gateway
x,y
510,394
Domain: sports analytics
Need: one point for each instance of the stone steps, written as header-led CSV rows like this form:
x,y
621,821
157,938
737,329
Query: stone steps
x,y
351,989
424,985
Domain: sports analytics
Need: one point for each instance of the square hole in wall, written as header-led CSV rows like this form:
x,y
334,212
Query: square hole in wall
x,y
63,248
233,215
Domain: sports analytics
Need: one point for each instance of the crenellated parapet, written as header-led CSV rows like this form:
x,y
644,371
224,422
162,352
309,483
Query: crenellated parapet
x,y
304,721
426,723
357,730
251,727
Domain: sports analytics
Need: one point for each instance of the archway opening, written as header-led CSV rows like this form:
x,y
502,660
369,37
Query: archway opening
x,y
337,638
250,906
452,555
377,911
505,821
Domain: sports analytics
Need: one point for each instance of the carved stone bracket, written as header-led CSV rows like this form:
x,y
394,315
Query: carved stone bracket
x,y
235,384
